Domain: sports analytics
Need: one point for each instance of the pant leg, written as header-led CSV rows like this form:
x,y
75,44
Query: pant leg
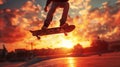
x,y
65,13
50,15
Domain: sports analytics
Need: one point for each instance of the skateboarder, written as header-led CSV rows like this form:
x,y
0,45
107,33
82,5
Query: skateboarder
x,y
56,4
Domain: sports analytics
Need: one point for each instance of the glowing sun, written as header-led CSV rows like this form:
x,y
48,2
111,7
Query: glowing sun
x,y
67,44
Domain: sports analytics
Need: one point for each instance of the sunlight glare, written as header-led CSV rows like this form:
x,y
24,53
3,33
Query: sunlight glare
x,y
71,62
67,44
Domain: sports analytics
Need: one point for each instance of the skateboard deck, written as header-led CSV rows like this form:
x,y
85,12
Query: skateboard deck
x,y
55,30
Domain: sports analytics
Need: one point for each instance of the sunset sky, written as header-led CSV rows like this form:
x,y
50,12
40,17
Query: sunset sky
x,y
17,17
18,3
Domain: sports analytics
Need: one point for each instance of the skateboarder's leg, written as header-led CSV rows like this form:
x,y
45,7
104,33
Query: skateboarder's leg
x,y
64,14
49,16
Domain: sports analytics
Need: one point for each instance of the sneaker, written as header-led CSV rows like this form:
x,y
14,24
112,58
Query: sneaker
x,y
64,25
44,28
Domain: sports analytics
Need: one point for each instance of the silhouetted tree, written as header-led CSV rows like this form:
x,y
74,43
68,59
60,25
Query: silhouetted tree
x,y
78,49
99,45
4,51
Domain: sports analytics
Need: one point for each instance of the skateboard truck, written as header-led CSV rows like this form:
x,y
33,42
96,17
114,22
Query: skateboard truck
x,y
65,33
38,37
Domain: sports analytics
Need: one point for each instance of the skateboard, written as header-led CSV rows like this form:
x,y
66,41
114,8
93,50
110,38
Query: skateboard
x,y
55,30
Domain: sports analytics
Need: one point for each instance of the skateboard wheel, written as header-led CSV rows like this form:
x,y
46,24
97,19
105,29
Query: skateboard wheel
x,y
65,34
38,37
